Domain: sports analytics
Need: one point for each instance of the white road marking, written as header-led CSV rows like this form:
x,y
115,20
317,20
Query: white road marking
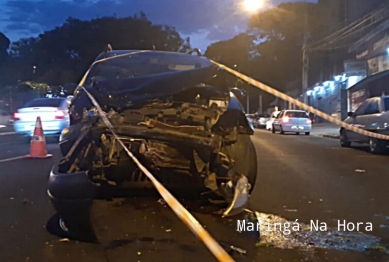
x,y
7,133
10,159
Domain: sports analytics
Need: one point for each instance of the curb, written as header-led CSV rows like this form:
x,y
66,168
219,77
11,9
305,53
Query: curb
x,y
329,136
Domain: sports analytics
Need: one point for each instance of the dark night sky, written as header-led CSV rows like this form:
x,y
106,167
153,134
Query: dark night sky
x,y
204,21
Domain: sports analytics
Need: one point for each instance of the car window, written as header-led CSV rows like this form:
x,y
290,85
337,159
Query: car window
x,y
296,114
386,103
45,102
372,107
361,109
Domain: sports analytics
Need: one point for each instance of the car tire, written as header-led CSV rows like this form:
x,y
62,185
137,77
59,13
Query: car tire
x,y
307,133
281,130
253,166
376,146
343,139
79,227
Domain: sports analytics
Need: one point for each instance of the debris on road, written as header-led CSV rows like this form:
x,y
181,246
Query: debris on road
x,y
64,240
360,171
168,230
291,210
382,248
262,244
239,250
161,201
11,198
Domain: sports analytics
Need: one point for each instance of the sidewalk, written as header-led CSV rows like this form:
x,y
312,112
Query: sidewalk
x,y
327,129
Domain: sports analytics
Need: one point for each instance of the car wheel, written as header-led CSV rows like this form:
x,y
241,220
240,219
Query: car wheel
x,y
343,139
307,133
281,130
376,146
77,225
253,166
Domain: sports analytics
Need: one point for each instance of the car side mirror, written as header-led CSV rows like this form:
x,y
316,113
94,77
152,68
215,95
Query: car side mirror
x,y
350,114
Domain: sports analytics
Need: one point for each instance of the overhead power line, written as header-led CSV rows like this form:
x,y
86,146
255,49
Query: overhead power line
x,y
365,22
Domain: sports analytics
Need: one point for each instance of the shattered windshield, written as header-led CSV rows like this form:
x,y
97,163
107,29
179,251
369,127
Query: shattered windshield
x,y
143,64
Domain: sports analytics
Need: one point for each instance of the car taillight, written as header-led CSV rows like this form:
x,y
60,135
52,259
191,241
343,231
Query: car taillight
x,y
309,121
16,116
285,119
59,114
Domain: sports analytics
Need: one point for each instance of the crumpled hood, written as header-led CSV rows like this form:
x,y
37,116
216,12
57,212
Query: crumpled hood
x,y
137,91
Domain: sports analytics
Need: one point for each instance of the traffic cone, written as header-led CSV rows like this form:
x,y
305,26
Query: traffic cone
x,y
38,142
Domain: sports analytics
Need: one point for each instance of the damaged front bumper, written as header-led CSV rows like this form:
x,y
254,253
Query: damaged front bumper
x,y
70,192
239,193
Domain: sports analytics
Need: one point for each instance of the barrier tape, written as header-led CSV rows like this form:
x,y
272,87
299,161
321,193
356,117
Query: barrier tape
x,y
285,97
186,217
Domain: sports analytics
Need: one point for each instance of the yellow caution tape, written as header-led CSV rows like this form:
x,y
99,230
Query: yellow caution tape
x,y
285,97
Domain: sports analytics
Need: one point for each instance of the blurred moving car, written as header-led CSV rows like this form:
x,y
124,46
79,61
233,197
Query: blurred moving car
x,y
296,121
262,119
176,114
372,115
273,116
53,112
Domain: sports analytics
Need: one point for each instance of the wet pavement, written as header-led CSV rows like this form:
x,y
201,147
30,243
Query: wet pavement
x,y
301,178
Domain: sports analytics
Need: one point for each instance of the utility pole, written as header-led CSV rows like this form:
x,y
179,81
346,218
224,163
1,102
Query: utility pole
x,y
305,71
305,60
260,103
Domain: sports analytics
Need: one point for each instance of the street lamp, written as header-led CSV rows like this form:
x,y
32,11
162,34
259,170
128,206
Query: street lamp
x,y
252,5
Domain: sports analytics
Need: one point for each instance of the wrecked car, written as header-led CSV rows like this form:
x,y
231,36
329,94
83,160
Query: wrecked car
x,y
175,112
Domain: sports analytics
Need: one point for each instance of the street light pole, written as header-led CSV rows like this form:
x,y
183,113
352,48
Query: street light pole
x,y
260,103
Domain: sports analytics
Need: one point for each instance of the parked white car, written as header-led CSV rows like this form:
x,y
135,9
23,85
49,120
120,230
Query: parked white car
x,y
54,114
372,115
269,123
296,121
262,120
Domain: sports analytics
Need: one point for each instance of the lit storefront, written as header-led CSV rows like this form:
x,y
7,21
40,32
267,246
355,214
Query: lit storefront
x,y
373,49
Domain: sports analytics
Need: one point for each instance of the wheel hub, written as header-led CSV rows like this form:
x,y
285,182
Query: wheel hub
x,y
62,225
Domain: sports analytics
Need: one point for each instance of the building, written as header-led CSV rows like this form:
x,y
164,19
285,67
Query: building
x,y
342,88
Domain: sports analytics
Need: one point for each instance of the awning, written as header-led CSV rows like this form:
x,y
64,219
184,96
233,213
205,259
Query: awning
x,y
371,79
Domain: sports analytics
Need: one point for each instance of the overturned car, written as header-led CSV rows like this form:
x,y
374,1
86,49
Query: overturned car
x,y
176,114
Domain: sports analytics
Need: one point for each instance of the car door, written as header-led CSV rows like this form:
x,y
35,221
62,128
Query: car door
x,y
277,120
369,120
357,121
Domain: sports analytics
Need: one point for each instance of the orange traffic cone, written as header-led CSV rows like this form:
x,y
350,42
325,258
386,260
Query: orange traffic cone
x,y
38,142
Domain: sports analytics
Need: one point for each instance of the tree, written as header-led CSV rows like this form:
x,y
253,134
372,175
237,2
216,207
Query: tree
x,y
282,31
4,45
271,49
63,54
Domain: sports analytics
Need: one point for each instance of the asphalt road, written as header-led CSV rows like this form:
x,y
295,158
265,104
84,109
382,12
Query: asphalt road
x,y
300,177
